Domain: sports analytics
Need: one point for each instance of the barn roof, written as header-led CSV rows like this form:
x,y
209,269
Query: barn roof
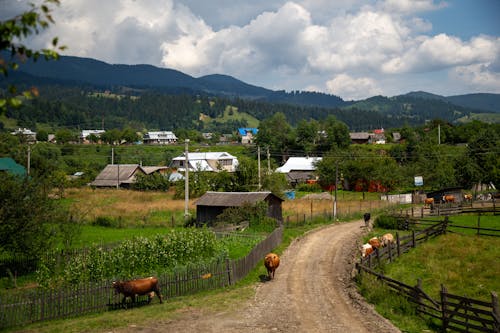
x,y
232,199
109,176
299,164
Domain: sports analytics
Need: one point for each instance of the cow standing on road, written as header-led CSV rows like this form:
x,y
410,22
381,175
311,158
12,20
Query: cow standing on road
x,y
367,217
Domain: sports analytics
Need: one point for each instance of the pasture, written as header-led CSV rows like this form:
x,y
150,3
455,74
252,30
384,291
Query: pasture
x,y
467,264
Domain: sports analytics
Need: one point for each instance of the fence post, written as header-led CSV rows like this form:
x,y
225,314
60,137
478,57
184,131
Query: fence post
x,y
445,224
478,222
228,272
398,244
496,312
417,289
173,221
413,238
390,251
444,316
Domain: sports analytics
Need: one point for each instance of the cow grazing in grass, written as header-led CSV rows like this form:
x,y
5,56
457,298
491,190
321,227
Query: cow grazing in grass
x,y
429,202
387,239
366,250
375,242
271,261
147,286
468,197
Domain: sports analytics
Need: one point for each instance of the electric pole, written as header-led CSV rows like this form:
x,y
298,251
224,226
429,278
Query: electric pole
x,y
186,181
258,161
335,197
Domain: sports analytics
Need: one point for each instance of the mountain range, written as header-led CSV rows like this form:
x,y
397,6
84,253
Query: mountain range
x,y
77,71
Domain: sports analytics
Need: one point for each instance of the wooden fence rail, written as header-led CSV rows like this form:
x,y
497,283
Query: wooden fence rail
x,y
456,313
29,306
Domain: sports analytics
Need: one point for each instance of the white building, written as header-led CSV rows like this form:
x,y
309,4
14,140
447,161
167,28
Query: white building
x,y
28,134
159,138
86,133
209,161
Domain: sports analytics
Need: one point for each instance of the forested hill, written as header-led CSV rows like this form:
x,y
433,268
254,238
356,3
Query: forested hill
x,y
144,96
70,70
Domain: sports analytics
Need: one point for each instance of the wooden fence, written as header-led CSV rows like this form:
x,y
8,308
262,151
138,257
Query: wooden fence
x,y
28,306
456,313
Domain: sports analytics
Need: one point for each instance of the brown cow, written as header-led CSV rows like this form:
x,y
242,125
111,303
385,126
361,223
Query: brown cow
x,y
139,287
428,201
449,198
271,261
375,242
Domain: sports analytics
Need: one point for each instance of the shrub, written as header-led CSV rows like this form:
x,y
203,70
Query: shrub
x,y
386,222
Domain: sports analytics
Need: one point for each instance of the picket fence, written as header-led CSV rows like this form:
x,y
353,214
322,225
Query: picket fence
x,y
23,307
456,313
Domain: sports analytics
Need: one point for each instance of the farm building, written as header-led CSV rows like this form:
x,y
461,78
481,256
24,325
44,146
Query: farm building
x,y
159,138
117,175
209,161
360,137
247,134
211,204
299,169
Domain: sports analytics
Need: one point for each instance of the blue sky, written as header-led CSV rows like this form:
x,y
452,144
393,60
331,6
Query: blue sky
x,y
351,48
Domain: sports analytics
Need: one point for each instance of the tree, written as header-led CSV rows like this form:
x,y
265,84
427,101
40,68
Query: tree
x,y
30,222
335,134
307,135
12,32
277,134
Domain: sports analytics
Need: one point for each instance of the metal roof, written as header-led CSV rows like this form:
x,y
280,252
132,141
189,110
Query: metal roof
x,y
299,164
232,199
109,176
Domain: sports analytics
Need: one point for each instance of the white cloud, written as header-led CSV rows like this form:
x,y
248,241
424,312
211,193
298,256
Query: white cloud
x,y
353,88
292,45
477,78
411,6
443,51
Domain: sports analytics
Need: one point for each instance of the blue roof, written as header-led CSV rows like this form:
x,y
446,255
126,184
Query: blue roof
x,y
244,130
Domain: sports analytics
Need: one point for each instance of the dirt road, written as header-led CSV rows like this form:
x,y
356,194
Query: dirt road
x,y
312,292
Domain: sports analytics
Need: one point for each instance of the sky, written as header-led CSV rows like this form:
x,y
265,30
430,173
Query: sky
x,y
354,49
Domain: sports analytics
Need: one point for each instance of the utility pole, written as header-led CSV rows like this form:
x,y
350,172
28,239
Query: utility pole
x,y
335,197
29,160
439,134
258,161
118,175
268,161
112,156
186,181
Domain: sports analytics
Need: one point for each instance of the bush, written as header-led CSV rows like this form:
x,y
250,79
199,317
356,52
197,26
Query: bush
x,y
152,182
108,222
386,222
134,257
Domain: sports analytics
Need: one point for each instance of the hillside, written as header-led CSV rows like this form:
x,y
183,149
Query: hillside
x,y
70,87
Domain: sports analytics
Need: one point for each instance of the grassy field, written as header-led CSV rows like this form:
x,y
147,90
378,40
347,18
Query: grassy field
x,y
467,264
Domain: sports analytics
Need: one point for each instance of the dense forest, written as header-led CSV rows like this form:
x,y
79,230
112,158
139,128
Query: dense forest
x,y
82,107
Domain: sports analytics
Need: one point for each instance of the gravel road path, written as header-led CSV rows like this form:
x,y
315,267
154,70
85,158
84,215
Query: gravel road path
x,y
311,292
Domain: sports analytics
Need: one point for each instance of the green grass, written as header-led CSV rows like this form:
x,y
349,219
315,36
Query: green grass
x,y
467,265
103,235
213,301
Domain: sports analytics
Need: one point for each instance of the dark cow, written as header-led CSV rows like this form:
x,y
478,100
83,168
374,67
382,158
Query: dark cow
x,y
367,218
139,287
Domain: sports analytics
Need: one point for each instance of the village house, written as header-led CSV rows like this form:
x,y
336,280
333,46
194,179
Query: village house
x,y
247,135
159,138
85,134
26,133
212,204
118,175
209,161
299,169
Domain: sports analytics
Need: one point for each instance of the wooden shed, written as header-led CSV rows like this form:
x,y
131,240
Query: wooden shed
x,y
118,175
211,204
